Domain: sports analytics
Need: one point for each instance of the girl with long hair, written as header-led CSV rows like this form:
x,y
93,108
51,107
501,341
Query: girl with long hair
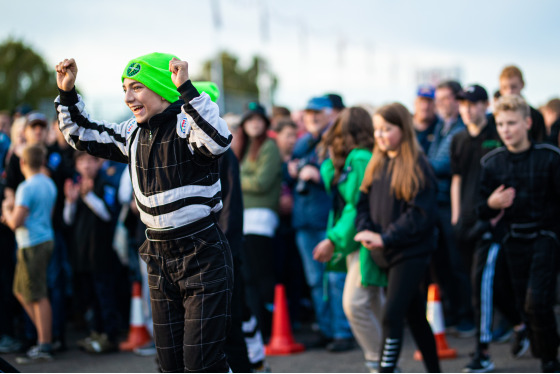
x,y
261,178
395,220
349,143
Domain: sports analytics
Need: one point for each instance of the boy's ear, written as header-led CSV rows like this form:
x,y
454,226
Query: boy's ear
x,y
529,121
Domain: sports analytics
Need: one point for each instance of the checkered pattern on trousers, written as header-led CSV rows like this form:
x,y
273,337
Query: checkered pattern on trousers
x,y
191,282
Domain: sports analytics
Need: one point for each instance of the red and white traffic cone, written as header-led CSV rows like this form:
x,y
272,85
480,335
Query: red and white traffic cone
x,y
434,314
282,341
137,335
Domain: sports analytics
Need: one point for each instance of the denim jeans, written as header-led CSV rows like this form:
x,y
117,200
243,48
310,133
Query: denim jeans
x,y
59,276
190,275
326,287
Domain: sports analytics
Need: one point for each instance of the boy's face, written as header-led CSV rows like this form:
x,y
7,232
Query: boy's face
x,y
473,113
143,102
35,134
286,139
513,129
511,86
88,166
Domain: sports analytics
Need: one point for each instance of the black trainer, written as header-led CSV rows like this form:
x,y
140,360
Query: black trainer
x,y
341,345
520,343
480,363
551,366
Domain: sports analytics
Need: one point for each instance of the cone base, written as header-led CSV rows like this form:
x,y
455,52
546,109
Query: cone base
x,y
443,354
135,339
283,349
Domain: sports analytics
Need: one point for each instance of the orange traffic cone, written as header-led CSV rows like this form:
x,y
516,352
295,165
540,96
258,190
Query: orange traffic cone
x,y
282,341
137,335
434,314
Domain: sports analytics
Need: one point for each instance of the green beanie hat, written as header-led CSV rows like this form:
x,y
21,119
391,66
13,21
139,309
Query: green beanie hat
x,y
210,88
152,70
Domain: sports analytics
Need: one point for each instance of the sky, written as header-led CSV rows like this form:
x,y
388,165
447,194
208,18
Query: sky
x,y
369,51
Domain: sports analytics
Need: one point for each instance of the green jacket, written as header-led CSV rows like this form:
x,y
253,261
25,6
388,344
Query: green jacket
x,y
261,178
341,227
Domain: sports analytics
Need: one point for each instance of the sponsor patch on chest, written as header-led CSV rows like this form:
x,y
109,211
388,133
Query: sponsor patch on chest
x,y
182,126
130,127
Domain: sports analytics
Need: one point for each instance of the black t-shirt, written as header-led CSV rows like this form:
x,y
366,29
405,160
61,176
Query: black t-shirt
x,y
14,175
466,152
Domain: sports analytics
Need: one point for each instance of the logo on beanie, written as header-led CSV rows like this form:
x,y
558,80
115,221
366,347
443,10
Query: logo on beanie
x,y
133,69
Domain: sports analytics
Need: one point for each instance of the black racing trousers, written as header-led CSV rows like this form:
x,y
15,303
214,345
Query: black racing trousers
x,y
491,285
190,276
534,264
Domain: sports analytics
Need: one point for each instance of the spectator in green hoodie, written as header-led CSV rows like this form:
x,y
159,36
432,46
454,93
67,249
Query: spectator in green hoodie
x,y
349,143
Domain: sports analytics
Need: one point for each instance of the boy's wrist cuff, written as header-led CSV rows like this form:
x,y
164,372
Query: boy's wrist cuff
x,y
68,98
188,91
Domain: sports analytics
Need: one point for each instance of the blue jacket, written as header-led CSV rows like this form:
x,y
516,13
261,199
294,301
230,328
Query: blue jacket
x,y
311,210
439,155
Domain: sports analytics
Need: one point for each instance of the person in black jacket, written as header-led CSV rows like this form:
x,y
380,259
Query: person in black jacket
x,y
396,220
90,206
172,146
520,190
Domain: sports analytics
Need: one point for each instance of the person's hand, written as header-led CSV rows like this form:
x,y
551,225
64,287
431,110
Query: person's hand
x,y
501,198
323,251
369,239
7,205
86,185
293,168
179,71
66,72
71,190
310,173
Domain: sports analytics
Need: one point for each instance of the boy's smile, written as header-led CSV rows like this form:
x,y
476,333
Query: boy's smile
x,y
143,102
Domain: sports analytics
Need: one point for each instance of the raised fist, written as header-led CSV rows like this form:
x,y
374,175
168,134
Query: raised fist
x,y
179,71
66,72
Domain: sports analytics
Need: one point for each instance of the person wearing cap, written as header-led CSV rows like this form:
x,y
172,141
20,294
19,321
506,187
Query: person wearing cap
x,y
475,238
172,146
34,132
424,118
58,167
337,102
261,179
310,216
446,265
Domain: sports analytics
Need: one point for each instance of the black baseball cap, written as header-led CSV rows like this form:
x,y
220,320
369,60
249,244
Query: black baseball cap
x,y
336,101
473,93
